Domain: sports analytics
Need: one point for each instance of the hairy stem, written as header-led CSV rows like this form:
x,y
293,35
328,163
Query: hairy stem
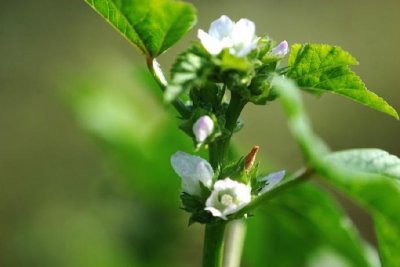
x,y
178,104
213,245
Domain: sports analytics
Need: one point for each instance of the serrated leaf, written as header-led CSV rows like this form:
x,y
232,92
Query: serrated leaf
x,y
321,68
152,26
364,175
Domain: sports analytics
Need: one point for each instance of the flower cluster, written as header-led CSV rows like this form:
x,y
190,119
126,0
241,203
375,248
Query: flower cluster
x,y
230,56
218,197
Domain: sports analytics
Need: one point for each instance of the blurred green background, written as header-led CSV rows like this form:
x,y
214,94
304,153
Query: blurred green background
x,y
84,144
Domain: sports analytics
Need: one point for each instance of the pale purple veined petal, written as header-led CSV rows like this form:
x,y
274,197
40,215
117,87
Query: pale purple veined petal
x,y
221,28
272,180
203,128
281,49
192,170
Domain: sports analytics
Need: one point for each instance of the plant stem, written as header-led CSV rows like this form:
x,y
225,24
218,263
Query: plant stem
x,y
213,245
214,233
234,241
178,104
218,149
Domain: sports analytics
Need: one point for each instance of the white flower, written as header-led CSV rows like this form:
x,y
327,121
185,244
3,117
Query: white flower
x,y
281,49
202,128
192,170
227,198
239,37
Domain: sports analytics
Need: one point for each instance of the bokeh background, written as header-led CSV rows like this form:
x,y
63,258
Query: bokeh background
x,y
85,145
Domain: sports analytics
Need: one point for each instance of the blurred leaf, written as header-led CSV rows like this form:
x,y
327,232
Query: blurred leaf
x,y
311,145
323,68
153,26
295,226
366,160
363,175
366,175
189,70
121,111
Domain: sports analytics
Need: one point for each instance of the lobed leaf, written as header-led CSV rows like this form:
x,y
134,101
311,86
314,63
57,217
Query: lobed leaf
x,y
152,26
321,68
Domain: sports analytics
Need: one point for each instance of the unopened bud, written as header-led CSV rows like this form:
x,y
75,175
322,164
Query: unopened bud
x,y
281,49
251,158
203,128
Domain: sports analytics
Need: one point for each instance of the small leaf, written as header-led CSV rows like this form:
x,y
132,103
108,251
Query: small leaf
x,y
320,68
188,71
152,26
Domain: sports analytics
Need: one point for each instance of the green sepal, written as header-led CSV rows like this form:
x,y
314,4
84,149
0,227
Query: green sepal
x,y
237,171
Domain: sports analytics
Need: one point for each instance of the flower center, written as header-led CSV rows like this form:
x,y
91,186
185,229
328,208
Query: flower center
x,y
226,200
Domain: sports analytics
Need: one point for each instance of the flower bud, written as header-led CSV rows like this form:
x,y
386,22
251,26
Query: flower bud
x,y
203,128
281,49
227,198
193,170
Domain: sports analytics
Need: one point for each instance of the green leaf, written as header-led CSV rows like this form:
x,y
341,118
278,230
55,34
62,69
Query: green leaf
x,y
152,26
320,68
312,146
371,177
189,70
368,161
296,226
364,175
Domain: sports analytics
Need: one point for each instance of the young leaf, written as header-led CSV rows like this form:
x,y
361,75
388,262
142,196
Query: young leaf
x,y
152,26
321,68
188,71
364,175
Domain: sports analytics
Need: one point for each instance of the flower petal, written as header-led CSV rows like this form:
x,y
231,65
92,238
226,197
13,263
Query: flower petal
x,y
192,170
272,180
216,213
243,32
221,28
211,44
281,49
203,128
240,194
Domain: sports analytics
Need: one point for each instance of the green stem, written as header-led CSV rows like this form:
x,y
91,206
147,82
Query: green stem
x,y
234,242
178,104
218,149
214,233
213,245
